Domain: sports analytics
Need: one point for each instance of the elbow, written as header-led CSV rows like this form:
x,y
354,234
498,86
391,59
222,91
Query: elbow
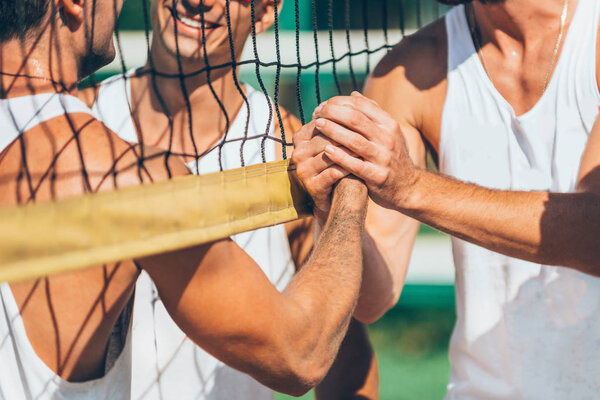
x,y
368,311
302,374
295,362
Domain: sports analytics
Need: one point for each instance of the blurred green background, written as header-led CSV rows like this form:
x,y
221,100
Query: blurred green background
x,y
411,340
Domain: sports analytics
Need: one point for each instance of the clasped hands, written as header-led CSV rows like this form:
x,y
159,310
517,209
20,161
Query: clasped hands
x,y
353,135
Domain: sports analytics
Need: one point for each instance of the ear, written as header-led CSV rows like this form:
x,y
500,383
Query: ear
x,y
266,16
71,12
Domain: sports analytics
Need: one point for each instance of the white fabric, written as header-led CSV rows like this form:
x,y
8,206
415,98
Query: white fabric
x,y
20,114
523,330
23,375
165,363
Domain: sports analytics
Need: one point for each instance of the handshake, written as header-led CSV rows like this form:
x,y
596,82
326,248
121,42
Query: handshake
x,y
353,135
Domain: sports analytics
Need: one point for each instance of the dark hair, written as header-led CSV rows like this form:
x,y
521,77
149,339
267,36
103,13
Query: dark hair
x,y
19,17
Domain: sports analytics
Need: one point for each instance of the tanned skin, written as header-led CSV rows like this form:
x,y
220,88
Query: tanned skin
x,y
69,318
409,88
161,116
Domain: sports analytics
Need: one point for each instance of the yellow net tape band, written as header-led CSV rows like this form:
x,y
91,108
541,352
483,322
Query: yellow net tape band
x,y
43,239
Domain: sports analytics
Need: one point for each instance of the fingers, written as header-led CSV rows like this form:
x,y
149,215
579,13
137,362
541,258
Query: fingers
x,y
304,134
347,138
321,185
369,172
347,115
358,102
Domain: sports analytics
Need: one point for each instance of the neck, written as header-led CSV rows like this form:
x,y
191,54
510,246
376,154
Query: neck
x,y
519,21
36,67
160,99
175,93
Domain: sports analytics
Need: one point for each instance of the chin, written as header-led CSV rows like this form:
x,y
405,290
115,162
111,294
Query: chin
x,y
96,60
190,50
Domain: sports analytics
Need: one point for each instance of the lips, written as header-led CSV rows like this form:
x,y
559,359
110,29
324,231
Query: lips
x,y
195,23
192,26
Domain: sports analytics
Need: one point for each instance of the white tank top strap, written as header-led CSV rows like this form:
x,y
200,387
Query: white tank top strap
x,y
113,106
460,44
249,142
20,114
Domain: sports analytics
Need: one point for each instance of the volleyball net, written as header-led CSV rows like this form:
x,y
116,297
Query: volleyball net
x,y
313,50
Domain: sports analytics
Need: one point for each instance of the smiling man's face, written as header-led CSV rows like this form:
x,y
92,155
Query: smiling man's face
x,y
179,23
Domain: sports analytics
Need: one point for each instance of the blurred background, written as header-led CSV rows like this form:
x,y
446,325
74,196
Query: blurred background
x,y
337,43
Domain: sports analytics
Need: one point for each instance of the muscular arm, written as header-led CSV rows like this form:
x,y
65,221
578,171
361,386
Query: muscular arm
x,y
354,373
355,358
548,228
391,235
287,341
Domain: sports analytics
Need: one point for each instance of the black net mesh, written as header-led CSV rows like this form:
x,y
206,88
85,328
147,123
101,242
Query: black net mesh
x,y
315,49
219,84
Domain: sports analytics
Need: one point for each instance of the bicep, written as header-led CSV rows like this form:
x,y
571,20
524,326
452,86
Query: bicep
x,y
589,170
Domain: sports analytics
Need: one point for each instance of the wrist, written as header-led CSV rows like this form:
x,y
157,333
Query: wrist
x,y
412,194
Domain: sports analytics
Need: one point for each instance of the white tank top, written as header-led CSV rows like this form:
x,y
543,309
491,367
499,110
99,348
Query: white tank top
x,y
23,375
523,330
165,363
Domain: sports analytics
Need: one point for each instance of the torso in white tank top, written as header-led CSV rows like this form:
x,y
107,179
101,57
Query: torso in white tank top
x,y
165,363
23,375
523,330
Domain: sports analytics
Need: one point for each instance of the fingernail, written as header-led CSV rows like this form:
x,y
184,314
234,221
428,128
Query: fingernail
x,y
330,149
320,123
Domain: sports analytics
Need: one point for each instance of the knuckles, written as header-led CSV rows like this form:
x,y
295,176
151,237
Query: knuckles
x,y
356,118
388,141
357,141
380,177
386,159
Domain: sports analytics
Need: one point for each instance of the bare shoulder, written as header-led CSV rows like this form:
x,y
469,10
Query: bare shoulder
x,y
74,154
419,59
410,83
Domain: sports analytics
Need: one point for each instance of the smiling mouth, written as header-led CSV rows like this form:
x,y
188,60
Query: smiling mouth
x,y
193,23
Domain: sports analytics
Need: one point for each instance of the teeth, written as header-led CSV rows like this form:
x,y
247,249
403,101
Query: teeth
x,y
193,23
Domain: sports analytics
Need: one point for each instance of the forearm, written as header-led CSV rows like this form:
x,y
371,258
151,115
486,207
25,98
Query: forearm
x,y
547,228
326,288
286,341
354,373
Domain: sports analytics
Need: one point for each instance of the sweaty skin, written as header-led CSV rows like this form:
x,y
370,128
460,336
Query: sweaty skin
x,y
69,318
409,87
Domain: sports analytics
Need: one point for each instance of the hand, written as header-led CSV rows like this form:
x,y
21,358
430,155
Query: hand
x,y
316,171
373,147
